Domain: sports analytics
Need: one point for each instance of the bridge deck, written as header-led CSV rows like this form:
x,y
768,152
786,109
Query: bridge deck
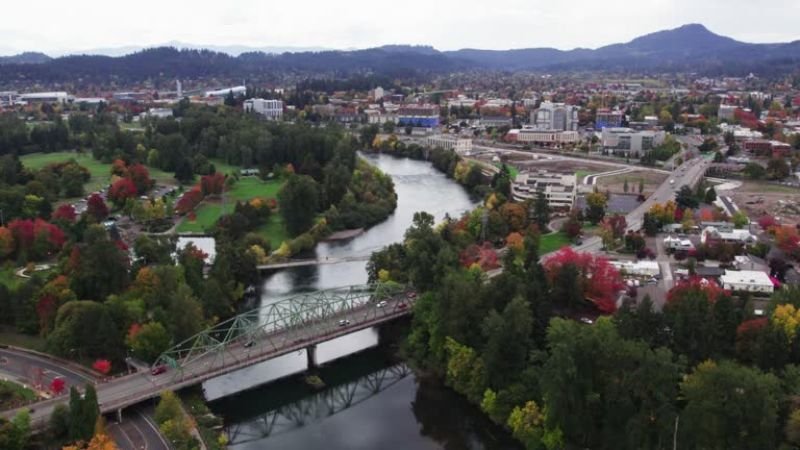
x,y
129,390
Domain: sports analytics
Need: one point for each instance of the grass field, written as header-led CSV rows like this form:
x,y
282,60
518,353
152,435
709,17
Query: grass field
x,y
13,395
7,277
9,336
552,242
100,172
245,189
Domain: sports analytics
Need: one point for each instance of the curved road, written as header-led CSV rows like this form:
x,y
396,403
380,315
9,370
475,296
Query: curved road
x,y
137,431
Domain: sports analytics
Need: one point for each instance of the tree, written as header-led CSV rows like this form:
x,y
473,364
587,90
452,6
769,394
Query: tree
x,y
729,406
102,365
121,191
213,184
148,341
507,342
641,186
96,208
596,203
99,266
625,186
777,169
740,219
299,201
140,177
711,195
754,171
72,179
593,276
541,211
685,198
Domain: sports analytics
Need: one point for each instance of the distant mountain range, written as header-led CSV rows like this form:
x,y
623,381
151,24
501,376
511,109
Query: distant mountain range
x,y
688,48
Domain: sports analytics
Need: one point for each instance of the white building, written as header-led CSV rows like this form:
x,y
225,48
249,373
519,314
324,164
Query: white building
x,y
732,236
727,112
630,142
555,116
236,90
558,189
161,113
545,137
638,268
747,280
462,146
270,109
675,243
45,97
378,93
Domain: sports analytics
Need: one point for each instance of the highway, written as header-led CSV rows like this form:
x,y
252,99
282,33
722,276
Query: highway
x,y
136,432
129,390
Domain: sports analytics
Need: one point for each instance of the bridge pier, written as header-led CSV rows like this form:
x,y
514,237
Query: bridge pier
x,y
119,415
311,356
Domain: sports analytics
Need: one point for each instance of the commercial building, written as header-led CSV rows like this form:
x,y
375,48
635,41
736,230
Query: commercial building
x,y
45,97
530,135
638,268
558,189
448,142
555,116
747,281
727,112
628,142
161,113
733,237
423,116
607,118
270,109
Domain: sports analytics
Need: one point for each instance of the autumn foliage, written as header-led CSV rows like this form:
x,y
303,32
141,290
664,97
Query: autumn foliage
x,y
36,238
121,191
96,207
601,280
57,386
102,365
65,213
189,200
695,285
484,256
212,184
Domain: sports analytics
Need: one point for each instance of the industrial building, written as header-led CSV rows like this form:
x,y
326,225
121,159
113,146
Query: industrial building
x,y
269,109
747,281
45,97
558,189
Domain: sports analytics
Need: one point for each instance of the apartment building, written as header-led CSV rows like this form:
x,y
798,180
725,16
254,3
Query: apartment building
x,y
269,109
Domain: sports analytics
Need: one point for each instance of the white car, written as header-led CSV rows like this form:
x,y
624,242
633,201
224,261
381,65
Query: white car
x,y
344,323
381,304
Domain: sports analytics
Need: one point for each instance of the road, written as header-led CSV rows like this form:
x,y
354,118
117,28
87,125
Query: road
x,y
137,427
129,390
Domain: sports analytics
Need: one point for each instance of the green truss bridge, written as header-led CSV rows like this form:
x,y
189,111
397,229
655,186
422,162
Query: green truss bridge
x,y
296,323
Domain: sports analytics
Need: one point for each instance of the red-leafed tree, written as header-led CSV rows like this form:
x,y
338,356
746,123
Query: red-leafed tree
x,y
134,329
599,280
102,365
36,238
617,224
140,176
7,244
212,184
695,286
788,240
766,222
121,191
96,208
57,386
483,255
65,213
189,200
119,168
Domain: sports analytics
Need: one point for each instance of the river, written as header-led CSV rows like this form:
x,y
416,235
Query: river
x,y
370,401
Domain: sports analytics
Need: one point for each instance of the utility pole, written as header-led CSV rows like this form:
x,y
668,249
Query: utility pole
x,y
675,434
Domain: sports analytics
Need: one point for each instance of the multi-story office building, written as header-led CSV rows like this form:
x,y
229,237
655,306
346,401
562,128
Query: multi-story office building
x,y
446,141
607,118
555,116
270,109
424,116
628,142
558,189
529,135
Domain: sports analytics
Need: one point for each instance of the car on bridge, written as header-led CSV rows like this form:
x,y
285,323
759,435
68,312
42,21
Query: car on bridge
x,y
158,370
344,323
382,304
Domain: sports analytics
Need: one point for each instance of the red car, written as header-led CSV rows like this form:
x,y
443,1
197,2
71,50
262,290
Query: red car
x,y
158,370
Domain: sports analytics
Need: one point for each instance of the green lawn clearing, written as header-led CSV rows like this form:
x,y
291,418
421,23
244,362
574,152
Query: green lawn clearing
x,y
10,336
274,231
13,395
245,189
100,172
552,242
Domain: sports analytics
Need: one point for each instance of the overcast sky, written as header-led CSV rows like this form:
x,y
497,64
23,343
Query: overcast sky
x,y
58,26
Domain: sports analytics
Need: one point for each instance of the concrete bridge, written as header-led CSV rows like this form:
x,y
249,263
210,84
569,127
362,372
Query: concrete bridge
x,y
296,323
311,262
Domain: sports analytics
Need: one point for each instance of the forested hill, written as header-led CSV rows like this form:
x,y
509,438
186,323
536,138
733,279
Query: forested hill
x,y
687,48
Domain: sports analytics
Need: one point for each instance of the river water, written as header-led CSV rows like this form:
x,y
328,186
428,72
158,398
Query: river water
x,y
370,401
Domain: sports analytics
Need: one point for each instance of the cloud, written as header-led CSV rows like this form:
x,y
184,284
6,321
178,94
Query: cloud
x,y
58,26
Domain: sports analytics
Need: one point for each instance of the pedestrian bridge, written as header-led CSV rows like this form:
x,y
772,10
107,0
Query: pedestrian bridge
x,y
292,324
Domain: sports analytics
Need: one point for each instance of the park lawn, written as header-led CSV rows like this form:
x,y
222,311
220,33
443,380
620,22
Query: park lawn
x,y
581,174
10,336
222,166
100,172
8,278
13,395
245,189
552,242
274,231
